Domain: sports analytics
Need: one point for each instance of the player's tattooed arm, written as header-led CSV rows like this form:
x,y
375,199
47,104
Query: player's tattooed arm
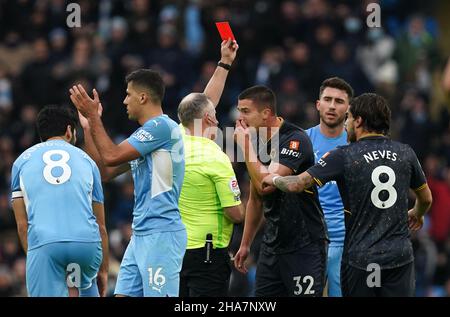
x,y
293,184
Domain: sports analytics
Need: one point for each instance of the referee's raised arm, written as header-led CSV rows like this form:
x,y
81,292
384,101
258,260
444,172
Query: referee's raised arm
x,y
214,88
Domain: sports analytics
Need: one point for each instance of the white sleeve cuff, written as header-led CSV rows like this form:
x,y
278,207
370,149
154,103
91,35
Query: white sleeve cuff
x,y
17,194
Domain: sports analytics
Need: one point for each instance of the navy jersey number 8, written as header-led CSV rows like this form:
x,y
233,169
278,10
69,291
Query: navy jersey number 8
x,y
387,186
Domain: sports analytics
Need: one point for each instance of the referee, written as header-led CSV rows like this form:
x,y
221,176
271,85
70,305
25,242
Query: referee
x,y
210,197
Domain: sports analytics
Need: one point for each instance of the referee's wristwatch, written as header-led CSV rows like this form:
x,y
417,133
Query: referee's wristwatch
x,y
226,66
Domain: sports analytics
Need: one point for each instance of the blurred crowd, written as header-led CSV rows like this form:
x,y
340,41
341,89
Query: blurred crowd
x,y
288,45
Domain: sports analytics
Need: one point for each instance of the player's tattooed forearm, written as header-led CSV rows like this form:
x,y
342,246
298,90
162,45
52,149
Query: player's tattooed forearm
x,y
289,184
306,180
294,183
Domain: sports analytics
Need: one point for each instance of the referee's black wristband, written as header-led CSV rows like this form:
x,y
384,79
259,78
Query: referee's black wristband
x,y
226,66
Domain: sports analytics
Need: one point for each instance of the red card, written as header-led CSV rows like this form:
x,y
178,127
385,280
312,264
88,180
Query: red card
x,y
225,31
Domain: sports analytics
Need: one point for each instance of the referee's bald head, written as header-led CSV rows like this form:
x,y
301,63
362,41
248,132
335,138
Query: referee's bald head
x,y
192,107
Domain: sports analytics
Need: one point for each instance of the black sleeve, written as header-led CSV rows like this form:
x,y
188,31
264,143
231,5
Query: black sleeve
x,y
418,179
294,150
329,167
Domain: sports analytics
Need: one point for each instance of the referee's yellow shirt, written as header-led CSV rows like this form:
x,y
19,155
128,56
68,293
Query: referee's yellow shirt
x,y
209,186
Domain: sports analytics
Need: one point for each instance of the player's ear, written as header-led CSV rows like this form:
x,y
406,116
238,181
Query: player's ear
x,y
68,134
317,104
358,122
206,117
68,130
212,121
143,98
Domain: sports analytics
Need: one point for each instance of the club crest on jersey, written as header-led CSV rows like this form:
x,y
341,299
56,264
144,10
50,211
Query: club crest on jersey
x,y
294,145
143,136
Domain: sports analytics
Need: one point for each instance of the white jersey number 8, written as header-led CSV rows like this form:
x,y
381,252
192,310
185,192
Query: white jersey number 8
x,y
51,164
387,186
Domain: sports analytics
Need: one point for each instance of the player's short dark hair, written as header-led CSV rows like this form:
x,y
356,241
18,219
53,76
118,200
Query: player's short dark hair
x,y
192,108
262,96
337,83
374,111
150,80
53,120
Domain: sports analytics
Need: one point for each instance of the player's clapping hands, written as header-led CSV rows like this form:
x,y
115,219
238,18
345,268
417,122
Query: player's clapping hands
x,y
87,106
84,122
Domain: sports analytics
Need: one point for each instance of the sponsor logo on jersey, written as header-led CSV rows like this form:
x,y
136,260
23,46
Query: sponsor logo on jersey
x,y
294,145
321,162
143,136
290,152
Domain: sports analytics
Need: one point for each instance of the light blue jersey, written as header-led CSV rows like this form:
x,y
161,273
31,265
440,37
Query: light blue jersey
x,y
152,261
58,183
158,175
329,196
333,210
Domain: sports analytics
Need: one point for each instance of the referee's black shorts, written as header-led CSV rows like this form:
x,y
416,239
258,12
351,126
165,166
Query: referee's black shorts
x,y
200,279
396,282
299,274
